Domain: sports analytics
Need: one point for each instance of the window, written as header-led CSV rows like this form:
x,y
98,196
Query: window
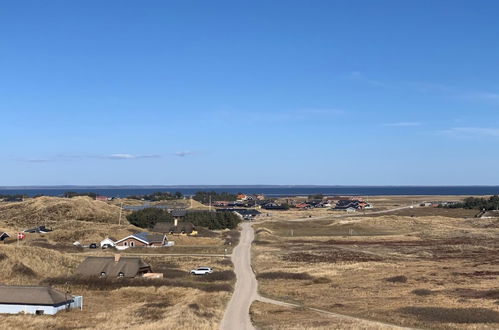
x,y
121,274
103,274
132,244
39,312
125,243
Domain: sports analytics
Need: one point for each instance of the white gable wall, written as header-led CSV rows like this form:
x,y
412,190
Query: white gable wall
x,y
29,309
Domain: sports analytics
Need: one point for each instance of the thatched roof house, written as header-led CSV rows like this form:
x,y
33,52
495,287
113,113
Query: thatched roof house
x,y
116,266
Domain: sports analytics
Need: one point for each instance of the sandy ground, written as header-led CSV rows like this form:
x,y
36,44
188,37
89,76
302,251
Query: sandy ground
x,y
237,312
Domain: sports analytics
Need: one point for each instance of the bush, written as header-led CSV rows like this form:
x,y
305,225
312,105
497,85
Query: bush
x,y
22,269
205,196
148,217
321,280
422,292
107,284
284,276
213,220
453,315
224,275
397,279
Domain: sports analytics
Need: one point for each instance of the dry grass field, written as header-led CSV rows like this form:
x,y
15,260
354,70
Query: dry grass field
x,y
429,268
180,300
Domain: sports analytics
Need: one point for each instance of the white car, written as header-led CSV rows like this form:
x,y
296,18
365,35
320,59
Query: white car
x,y
202,271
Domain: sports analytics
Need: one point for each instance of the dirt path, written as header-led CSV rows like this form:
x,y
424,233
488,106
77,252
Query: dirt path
x,y
236,315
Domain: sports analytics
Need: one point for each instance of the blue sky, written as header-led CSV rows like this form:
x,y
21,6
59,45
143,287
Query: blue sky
x,y
249,92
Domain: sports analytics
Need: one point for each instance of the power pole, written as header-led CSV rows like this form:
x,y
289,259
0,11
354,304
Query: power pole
x,y
121,210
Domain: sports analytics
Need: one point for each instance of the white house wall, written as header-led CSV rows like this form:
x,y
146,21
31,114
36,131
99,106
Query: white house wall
x,y
29,309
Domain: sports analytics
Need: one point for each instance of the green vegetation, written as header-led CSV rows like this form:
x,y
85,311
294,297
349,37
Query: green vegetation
x,y
71,194
204,196
12,198
492,203
316,197
148,217
213,220
159,196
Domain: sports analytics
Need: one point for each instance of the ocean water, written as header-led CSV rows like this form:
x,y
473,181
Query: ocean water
x,y
274,191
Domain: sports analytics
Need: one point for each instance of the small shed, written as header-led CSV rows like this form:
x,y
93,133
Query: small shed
x,y
110,241
36,300
3,236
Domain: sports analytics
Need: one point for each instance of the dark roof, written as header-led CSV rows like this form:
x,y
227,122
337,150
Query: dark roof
x,y
150,238
3,235
129,266
168,227
32,295
241,211
179,213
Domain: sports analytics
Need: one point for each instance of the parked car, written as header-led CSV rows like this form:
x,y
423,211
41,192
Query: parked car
x,y
93,246
202,271
106,246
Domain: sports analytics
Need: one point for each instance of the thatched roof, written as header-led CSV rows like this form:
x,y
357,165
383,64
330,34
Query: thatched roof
x,y
32,295
128,266
168,227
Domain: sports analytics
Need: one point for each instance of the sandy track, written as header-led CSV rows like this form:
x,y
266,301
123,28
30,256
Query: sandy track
x,y
236,315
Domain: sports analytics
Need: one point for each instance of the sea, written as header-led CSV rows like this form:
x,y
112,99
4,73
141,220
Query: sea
x,y
271,191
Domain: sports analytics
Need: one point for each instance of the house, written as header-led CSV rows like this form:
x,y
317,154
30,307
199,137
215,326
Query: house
x,y
221,203
178,214
241,197
184,228
303,206
358,204
274,206
116,266
36,300
3,236
39,229
109,241
143,239
243,213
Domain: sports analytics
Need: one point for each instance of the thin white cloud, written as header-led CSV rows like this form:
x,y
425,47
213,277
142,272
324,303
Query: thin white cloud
x,y
121,156
358,76
471,131
130,156
402,124
278,116
484,96
37,160
428,87
183,153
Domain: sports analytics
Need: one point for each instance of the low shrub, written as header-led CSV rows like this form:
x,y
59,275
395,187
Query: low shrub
x,y
224,275
22,269
284,276
453,315
321,280
422,292
397,279
477,294
107,284
225,262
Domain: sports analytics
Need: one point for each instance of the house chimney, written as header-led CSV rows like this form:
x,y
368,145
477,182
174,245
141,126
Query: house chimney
x,y
175,222
117,257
